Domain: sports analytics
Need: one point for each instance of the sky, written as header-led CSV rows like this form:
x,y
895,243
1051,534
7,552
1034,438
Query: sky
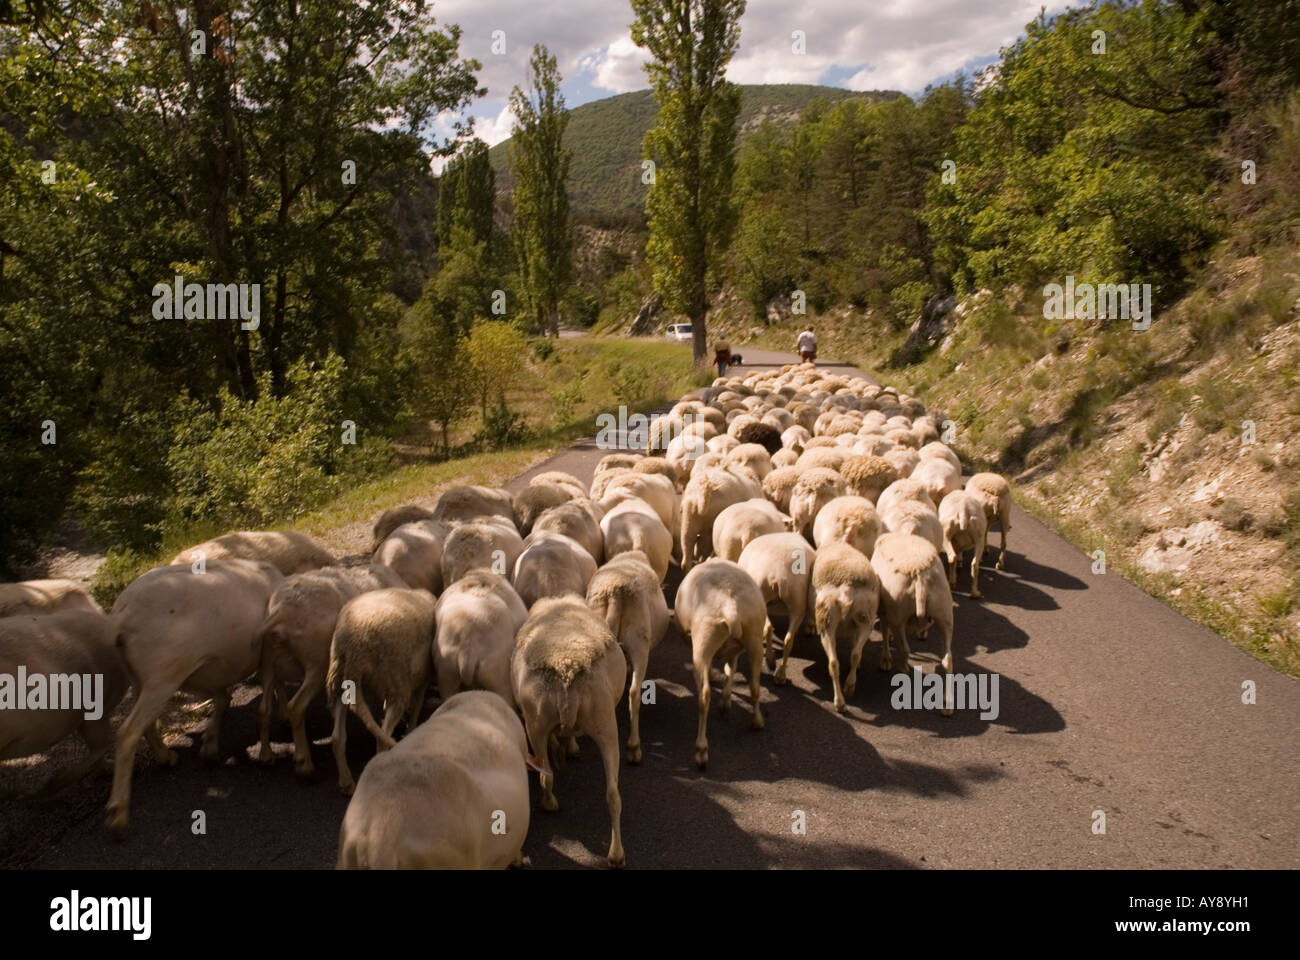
x,y
856,44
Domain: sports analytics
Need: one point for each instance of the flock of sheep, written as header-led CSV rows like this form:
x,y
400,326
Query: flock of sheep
x,y
825,498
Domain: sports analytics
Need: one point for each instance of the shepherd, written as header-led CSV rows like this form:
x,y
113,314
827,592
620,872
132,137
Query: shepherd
x,y
722,357
808,345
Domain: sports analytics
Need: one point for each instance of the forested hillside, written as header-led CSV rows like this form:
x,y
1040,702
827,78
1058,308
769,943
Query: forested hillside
x,y
605,137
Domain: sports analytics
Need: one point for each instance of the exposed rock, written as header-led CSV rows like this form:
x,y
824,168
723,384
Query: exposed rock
x,y
647,318
1174,549
933,323
779,309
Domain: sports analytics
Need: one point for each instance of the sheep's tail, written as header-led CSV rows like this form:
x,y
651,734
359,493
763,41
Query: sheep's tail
x,y
334,680
963,519
334,689
614,611
569,706
919,590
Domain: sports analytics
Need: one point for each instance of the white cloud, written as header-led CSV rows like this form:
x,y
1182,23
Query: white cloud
x,y
618,67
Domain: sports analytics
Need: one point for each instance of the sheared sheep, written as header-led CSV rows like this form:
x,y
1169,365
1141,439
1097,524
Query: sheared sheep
x,y
414,552
634,525
44,596
463,504
654,489
903,459
73,643
939,476
722,611
942,451
183,630
816,487
914,517
994,494
625,591
295,637
535,499
662,466
914,592
965,527
579,519
752,457
781,564
904,488
739,524
707,494
846,596
848,519
489,544
286,550
568,673
475,623
382,645
395,517
453,795
562,479
552,565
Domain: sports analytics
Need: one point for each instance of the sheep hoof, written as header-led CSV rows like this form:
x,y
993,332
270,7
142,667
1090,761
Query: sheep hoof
x,y
780,679
169,757
117,820
266,756
347,788
617,861
702,757
946,712
634,754
976,595
840,706
1000,565
304,768
550,803
757,723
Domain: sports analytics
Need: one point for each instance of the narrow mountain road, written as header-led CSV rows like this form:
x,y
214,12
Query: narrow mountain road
x,y
1109,703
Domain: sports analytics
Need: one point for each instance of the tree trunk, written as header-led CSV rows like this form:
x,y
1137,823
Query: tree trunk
x,y
555,322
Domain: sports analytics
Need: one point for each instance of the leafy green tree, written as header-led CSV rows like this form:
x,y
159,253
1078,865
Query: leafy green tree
x,y
467,196
692,145
543,231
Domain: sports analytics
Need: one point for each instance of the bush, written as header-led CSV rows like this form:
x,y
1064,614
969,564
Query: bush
x,y
502,428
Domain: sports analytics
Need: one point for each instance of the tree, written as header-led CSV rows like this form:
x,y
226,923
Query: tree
x,y
467,196
692,145
543,231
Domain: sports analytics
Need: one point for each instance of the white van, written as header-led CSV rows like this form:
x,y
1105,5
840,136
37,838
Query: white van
x,y
680,331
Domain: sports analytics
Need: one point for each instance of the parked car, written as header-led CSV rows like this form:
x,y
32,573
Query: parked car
x,y
680,332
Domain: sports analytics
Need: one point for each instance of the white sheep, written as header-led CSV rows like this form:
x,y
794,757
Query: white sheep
x,y
903,459
382,645
904,488
183,630
781,564
44,596
964,528
634,525
73,643
939,476
295,637
579,519
560,478
534,499
942,451
816,487
488,543
708,493
452,795
625,591
742,522
915,517
394,517
552,565
914,593
475,623
848,519
568,673
655,489
286,550
752,457
779,485
462,504
721,611
846,596
414,552
994,494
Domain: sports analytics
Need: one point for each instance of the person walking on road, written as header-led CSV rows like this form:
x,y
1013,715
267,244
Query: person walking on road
x,y
808,346
722,357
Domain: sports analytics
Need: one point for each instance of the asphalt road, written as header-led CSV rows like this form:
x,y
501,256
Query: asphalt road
x,y
1108,701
